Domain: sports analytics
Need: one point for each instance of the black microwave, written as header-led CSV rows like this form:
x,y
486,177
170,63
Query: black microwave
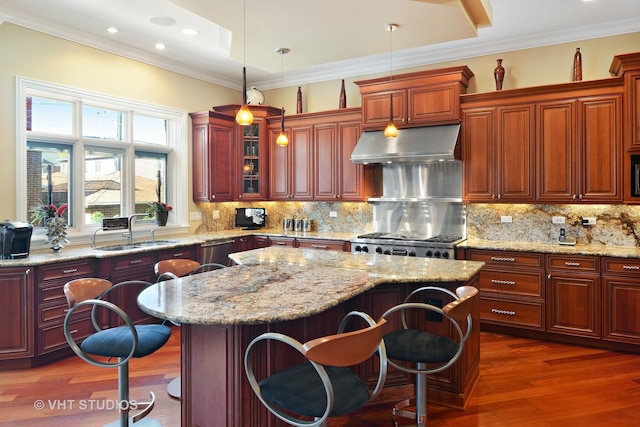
x,y
635,175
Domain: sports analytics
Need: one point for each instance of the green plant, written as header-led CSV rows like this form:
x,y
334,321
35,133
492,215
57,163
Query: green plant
x,y
154,208
40,214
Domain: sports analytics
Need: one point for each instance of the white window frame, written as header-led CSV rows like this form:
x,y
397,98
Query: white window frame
x,y
177,148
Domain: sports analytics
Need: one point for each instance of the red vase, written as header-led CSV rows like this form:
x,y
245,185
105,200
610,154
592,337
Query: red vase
x,y
299,101
498,74
577,66
343,97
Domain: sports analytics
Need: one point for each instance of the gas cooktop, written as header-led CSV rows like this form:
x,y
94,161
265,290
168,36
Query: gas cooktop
x,y
401,236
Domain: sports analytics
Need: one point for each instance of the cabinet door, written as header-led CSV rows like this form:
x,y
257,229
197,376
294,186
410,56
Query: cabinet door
x,y
253,148
327,162
478,155
632,107
433,105
573,304
375,109
351,186
200,168
601,149
621,299
302,169
515,151
16,313
279,165
556,154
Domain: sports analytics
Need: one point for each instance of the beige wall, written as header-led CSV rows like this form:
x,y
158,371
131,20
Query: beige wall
x,y
39,56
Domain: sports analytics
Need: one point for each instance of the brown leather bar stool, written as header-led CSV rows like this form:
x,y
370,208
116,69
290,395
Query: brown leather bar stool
x,y
428,352
122,342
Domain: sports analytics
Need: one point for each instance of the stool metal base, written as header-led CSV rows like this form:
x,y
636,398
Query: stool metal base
x,y
400,411
175,388
145,422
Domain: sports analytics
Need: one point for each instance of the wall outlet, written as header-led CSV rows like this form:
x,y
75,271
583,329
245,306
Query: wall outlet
x,y
505,218
333,214
215,214
195,216
557,220
589,220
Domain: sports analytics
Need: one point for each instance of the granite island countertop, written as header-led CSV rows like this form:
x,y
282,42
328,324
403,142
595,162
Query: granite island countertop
x,y
278,284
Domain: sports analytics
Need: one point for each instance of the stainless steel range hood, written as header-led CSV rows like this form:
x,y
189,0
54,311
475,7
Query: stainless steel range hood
x,y
423,144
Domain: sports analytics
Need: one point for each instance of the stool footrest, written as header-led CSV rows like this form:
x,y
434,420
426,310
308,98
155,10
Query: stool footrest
x,y
400,411
145,407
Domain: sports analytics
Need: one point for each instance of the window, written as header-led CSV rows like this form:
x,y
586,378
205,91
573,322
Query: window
x,y
102,156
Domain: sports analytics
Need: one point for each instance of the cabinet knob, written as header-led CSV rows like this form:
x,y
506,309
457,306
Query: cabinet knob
x,y
574,197
549,276
213,196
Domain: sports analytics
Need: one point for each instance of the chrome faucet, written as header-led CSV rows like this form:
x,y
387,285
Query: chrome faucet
x,y
130,223
93,238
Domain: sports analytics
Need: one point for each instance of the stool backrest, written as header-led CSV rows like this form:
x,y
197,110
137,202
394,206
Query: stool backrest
x,y
348,348
79,290
459,309
177,267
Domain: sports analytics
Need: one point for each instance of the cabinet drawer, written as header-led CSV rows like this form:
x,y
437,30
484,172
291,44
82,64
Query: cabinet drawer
x,y
573,263
621,266
516,283
282,241
514,313
185,252
57,312
332,245
52,338
504,258
135,260
66,270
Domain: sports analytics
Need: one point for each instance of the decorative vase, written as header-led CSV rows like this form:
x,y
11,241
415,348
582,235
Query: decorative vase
x,y
577,66
161,218
498,74
56,233
343,97
299,101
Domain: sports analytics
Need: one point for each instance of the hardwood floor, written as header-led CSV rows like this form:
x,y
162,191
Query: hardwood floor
x,y
523,382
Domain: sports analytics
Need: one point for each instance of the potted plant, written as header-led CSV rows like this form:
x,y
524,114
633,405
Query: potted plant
x,y
160,211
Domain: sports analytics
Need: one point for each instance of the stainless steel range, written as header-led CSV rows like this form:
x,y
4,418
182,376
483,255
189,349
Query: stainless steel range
x,y
441,246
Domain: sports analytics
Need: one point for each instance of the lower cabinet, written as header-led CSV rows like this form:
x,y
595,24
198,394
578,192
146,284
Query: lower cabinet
x,y
16,312
573,295
311,243
621,300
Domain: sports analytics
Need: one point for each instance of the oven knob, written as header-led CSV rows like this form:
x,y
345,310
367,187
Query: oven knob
x,y
365,249
412,253
357,248
429,253
387,252
445,254
436,254
379,250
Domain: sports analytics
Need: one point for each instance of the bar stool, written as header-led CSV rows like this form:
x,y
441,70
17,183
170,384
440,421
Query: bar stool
x,y
122,342
430,352
323,385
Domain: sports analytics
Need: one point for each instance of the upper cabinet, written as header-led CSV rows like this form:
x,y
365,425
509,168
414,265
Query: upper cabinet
x,y
316,165
547,144
213,137
250,171
422,98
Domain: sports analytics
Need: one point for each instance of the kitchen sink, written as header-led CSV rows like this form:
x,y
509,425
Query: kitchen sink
x,y
136,245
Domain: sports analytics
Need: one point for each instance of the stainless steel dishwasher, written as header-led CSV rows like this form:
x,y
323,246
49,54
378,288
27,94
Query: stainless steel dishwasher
x,y
217,251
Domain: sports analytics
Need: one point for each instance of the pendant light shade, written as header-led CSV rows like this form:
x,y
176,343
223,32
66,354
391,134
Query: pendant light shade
x,y
391,131
282,140
244,117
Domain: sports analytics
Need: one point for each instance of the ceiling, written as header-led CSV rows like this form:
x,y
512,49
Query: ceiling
x,y
329,39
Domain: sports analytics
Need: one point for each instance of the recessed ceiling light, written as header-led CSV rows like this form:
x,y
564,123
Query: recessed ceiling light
x,y
190,31
160,46
165,21
112,30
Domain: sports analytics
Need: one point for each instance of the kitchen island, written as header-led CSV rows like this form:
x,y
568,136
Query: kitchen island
x,y
302,293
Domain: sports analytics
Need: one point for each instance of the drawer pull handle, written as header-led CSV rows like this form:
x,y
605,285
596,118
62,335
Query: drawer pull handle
x,y
502,259
505,312
179,254
281,243
135,261
572,264
631,267
74,331
503,282
319,246
69,271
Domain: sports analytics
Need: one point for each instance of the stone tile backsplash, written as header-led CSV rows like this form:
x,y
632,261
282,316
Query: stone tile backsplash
x,y
616,225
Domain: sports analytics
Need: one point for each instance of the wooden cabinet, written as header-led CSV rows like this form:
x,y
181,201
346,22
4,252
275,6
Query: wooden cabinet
x,y
291,167
422,98
331,245
579,149
16,313
316,165
573,295
241,244
498,152
283,241
511,287
213,155
621,300
51,304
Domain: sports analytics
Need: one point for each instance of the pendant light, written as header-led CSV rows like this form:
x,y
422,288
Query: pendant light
x,y
282,140
244,117
391,131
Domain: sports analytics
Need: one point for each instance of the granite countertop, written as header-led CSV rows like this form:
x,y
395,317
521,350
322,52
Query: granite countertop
x,y
552,248
278,284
